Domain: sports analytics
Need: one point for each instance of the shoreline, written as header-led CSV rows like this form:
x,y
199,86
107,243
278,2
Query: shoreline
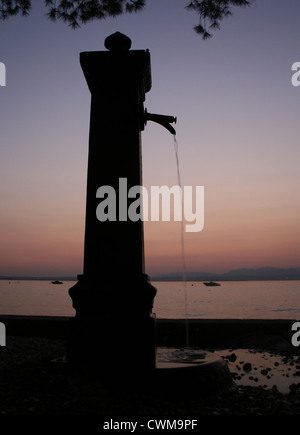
x,y
34,378
222,333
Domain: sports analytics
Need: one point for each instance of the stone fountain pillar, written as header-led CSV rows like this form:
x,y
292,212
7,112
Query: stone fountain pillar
x,y
113,329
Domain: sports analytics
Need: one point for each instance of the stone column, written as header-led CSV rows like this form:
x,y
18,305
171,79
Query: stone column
x,y
113,329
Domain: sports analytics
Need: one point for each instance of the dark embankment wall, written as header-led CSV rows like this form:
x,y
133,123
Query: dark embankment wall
x,y
169,332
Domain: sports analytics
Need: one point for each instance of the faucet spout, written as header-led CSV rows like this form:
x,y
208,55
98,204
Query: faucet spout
x,y
163,120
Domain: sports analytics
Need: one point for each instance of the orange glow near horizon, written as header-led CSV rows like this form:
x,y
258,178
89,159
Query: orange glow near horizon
x,y
237,132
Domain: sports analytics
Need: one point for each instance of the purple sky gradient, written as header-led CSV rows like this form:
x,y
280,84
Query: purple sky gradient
x,y
237,130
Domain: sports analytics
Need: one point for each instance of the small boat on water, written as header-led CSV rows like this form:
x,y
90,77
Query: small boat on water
x,y
56,282
211,284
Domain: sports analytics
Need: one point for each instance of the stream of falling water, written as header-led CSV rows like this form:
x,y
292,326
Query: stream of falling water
x,y
182,243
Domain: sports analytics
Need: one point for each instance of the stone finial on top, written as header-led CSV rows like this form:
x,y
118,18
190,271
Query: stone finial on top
x,y
117,42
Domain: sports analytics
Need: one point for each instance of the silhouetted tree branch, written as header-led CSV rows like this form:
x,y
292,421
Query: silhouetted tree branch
x,y
9,8
76,12
211,12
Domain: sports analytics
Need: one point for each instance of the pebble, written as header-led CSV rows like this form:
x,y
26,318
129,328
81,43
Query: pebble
x,y
232,357
247,367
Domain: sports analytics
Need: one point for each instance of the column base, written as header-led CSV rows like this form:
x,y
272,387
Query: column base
x,y
113,332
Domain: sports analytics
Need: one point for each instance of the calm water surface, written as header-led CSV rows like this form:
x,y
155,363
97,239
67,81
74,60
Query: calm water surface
x,y
233,299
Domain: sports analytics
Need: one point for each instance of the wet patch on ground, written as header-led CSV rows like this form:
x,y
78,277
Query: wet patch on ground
x,y
248,367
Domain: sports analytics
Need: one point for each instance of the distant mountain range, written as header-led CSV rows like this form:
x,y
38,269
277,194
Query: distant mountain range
x,y
244,274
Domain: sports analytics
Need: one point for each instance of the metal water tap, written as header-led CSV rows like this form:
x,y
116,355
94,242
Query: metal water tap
x,y
163,120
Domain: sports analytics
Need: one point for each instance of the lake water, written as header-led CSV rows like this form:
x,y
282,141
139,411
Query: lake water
x,y
231,300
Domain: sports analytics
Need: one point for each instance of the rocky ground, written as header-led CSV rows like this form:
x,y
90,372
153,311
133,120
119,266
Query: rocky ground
x,y
34,380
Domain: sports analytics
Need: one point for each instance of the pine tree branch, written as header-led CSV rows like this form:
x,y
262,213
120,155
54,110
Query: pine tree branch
x,y
77,12
212,12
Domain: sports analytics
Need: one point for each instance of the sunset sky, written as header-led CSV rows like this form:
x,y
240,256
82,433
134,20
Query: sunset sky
x,y
238,133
